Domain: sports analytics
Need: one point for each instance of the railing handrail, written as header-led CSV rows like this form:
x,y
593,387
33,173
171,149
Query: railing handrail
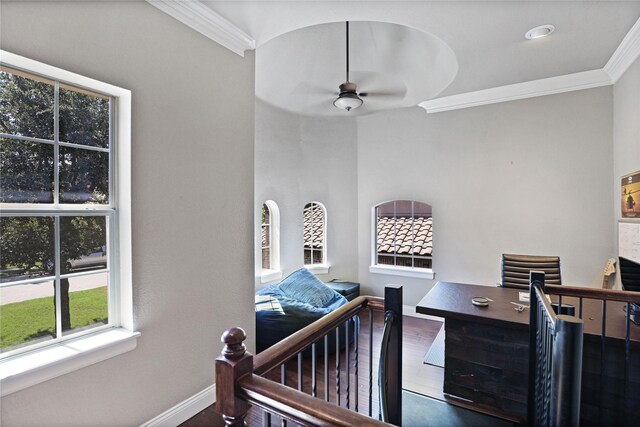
x,y
279,353
593,293
546,305
298,406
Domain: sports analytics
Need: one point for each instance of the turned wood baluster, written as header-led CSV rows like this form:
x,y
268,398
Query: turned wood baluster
x,y
234,362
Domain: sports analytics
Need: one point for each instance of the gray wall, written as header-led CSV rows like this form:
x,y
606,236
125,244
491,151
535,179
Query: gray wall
x,y
626,128
192,166
300,159
626,133
530,176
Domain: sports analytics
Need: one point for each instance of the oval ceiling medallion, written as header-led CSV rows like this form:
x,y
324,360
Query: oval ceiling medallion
x,y
392,66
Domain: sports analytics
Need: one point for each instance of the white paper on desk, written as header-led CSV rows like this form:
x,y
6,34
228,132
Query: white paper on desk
x,y
525,297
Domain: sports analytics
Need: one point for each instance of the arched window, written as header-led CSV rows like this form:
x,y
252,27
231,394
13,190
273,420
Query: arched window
x,y
403,238
315,234
270,238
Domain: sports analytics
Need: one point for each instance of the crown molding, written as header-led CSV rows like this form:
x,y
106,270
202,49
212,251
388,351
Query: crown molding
x,y
531,89
208,23
625,54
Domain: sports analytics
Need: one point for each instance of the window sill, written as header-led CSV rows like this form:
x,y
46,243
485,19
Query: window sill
x,y
28,369
421,273
318,268
270,276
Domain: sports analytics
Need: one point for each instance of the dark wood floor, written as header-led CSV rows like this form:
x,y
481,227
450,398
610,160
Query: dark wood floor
x,y
418,335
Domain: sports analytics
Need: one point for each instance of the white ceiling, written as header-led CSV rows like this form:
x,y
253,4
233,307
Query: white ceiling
x,y
486,38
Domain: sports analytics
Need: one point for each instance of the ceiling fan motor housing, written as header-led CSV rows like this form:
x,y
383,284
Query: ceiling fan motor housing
x,y
347,87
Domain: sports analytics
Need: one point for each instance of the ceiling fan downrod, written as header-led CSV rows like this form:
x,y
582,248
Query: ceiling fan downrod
x,y
347,52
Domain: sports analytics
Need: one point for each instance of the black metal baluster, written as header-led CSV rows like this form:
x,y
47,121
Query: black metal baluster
x,y
348,363
552,345
326,367
540,370
627,343
338,366
283,381
356,344
602,350
314,385
547,371
300,382
370,362
580,311
545,419
266,419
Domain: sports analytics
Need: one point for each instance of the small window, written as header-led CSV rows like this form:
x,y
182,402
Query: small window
x,y
403,235
266,237
314,228
270,238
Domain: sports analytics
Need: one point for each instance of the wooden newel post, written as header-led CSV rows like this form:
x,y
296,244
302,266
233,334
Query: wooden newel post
x,y
234,362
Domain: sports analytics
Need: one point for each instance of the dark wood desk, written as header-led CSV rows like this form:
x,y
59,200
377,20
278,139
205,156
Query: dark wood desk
x,y
486,353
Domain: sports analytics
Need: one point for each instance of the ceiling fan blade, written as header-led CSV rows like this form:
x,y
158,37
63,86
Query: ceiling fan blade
x,y
320,105
307,88
383,94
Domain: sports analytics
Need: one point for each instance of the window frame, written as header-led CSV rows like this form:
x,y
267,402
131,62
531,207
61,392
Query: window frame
x,y
39,362
394,270
274,271
322,267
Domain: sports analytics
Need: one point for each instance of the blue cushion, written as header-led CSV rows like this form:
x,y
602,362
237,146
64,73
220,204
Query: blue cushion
x,y
303,286
268,303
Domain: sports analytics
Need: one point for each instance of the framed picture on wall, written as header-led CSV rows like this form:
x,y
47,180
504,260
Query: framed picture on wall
x,y
630,196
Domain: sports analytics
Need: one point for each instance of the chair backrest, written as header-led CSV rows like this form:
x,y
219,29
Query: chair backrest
x,y
516,268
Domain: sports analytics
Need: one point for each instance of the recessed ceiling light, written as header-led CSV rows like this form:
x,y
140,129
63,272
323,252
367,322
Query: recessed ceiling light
x,y
541,31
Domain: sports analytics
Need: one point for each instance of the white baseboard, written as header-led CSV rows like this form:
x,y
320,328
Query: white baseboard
x,y
185,409
410,310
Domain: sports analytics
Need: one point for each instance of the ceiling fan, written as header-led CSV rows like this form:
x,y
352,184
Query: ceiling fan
x,y
349,98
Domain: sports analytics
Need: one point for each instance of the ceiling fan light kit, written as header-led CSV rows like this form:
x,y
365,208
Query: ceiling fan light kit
x,y
348,98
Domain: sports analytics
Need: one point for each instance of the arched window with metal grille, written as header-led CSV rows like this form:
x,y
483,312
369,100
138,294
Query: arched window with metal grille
x,y
315,234
270,241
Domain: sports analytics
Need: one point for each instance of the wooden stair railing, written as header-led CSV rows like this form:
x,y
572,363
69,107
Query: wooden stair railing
x,y
239,381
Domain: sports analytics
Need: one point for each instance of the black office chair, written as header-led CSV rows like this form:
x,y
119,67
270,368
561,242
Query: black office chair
x,y
516,268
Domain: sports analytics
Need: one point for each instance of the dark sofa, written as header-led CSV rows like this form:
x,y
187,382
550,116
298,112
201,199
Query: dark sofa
x,y
297,301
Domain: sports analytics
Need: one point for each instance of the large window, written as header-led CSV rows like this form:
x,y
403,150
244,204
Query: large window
x,y
64,197
315,234
403,237
270,239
